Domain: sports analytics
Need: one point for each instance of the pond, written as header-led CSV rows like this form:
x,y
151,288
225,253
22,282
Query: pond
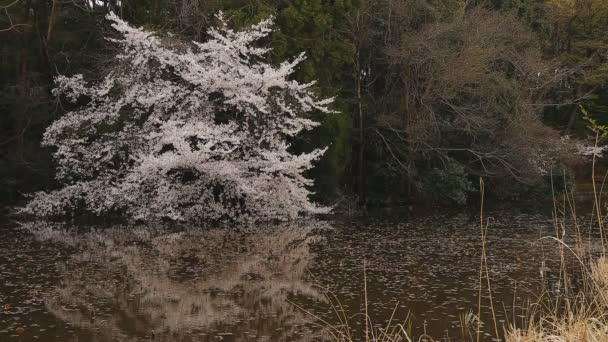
x,y
268,283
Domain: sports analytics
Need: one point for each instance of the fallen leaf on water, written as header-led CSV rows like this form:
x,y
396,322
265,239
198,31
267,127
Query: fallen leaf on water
x,y
7,306
19,330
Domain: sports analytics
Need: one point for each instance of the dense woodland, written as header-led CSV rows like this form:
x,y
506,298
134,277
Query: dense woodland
x,y
430,94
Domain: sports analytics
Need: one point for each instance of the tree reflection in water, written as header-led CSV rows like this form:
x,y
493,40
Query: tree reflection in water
x,y
184,284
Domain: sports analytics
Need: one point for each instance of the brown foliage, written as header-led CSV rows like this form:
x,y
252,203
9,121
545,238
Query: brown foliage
x,y
472,90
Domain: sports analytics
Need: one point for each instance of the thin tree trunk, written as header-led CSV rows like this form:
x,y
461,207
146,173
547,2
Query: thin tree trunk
x,y
388,25
571,118
52,21
360,181
26,39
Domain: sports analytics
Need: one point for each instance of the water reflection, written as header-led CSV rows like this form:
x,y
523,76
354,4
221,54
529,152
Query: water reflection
x,y
429,267
183,284
162,283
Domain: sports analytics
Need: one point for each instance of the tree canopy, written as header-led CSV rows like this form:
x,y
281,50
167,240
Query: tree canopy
x,y
430,94
192,132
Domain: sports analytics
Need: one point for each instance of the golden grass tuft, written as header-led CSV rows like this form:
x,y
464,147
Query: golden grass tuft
x,y
581,316
583,319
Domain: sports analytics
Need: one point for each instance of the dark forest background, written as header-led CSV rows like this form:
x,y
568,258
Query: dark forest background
x,y
432,94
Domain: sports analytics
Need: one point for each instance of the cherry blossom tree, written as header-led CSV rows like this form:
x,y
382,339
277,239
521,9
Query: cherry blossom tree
x,y
187,131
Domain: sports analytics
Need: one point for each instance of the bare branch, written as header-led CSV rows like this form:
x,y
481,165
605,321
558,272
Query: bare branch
x,y
12,26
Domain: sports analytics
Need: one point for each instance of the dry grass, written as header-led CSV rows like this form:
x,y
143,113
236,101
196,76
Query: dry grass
x,y
393,331
582,315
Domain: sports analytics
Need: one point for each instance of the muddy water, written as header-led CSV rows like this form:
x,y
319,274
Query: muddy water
x,y
269,283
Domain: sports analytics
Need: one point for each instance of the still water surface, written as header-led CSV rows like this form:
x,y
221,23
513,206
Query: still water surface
x,y
270,283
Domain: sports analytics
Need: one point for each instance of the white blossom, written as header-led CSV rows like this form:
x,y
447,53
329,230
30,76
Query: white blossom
x,y
585,148
186,131
591,150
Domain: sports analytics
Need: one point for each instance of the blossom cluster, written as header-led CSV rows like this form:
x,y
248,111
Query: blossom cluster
x,y
186,131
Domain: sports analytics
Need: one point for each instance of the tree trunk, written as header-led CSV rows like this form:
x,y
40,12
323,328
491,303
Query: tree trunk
x,y
52,21
26,40
571,118
360,181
